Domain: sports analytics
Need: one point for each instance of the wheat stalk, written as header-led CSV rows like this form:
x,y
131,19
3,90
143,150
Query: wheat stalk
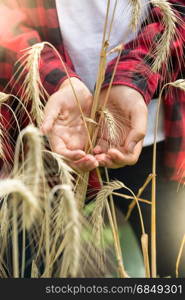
x,y
131,198
3,218
140,191
101,67
4,222
81,187
15,240
104,105
169,20
144,243
179,256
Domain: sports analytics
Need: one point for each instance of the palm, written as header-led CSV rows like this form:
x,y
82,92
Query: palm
x,y
69,132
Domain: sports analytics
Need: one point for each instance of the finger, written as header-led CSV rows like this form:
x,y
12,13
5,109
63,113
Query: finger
x,y
105,161
123,159
138,128
72,155
97,150
101,157
102,146
86,164
108,162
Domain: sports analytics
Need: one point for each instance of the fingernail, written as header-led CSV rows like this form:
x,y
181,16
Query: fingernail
x,y
131,146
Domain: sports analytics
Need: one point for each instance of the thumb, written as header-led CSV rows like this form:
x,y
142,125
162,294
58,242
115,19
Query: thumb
x,y
133,138
137,131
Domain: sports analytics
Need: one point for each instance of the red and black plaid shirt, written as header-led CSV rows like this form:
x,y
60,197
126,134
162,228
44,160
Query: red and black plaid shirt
x,y
38,22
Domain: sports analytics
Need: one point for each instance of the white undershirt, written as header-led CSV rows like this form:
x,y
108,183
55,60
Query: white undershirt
x,y
82,23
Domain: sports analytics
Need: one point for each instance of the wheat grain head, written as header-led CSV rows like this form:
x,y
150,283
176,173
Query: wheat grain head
x,y
32,89
20,191
136,13
32,168
169,21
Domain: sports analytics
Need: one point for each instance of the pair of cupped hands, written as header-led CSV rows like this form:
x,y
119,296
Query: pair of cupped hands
x,y
64,127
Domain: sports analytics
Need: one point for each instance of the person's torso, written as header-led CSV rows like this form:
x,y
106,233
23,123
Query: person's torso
x,y
82,24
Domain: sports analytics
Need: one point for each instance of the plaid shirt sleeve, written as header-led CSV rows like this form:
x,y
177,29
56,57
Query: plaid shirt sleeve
x,y
25,34
134,68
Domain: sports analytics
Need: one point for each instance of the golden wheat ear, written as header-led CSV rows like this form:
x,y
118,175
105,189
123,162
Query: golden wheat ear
x,y
180,84
113,125
32,89
21,192
136,13
169,21
31,171
23,210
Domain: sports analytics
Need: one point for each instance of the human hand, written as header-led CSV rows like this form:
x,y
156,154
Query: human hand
x,y
130,113
64,126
